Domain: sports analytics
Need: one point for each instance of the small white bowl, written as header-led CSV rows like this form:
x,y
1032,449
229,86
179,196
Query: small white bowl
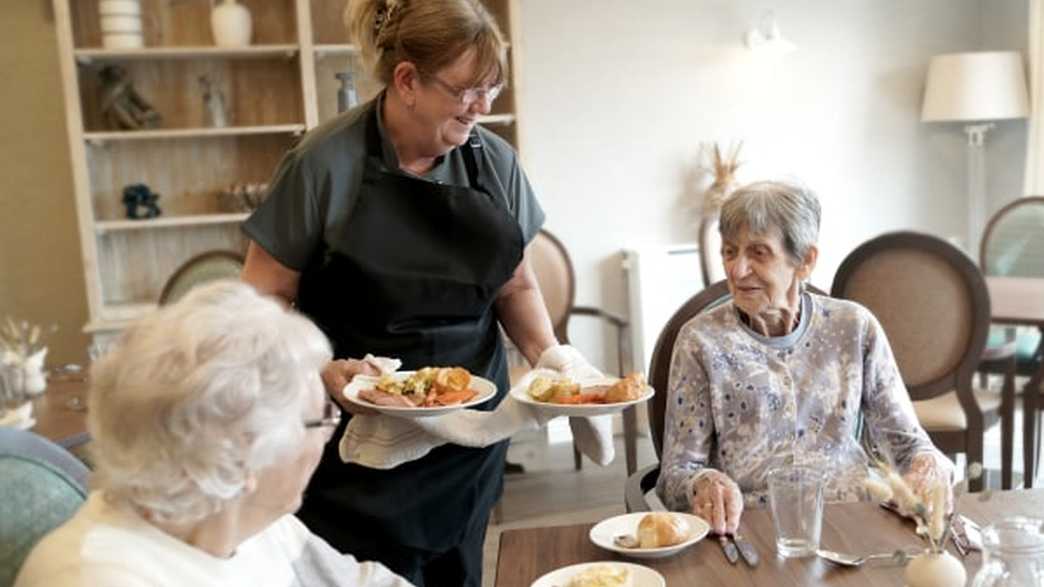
x,y
602,534
120,24
125,7
123,41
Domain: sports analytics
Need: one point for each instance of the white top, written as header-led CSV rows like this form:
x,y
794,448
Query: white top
x,y
105,545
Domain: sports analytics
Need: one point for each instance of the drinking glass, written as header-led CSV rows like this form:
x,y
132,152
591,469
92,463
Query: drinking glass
x,y
796,497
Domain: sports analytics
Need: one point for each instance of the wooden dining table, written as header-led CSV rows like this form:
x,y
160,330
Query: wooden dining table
x,y
61,412
1020,301
858,528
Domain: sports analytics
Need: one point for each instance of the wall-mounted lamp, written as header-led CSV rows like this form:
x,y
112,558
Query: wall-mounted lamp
x,y
766,37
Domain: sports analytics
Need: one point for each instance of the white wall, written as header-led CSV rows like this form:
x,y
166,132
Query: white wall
x,y
1004,28
617,95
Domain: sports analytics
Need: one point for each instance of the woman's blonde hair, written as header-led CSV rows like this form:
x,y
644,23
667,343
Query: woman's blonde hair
x,y
431,34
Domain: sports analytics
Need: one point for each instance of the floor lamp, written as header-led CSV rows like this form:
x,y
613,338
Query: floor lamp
x,y
975,88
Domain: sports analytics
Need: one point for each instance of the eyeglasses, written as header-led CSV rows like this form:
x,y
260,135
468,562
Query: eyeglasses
x,y
331,417
467,96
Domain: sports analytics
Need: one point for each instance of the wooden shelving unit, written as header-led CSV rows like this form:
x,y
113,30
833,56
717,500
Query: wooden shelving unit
x,y
275,90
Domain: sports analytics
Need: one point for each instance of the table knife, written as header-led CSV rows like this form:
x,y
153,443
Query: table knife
x,y
731,553
750,554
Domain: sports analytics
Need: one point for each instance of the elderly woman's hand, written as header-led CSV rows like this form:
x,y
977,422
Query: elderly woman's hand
x,y
718,500
338,373
925,473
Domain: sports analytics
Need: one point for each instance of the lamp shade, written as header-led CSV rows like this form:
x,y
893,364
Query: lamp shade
x,y
975,86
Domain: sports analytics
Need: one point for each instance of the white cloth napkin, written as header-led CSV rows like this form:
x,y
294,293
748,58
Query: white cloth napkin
x,y
385,442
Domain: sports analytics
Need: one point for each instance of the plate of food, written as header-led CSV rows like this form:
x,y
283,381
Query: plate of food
x,y
561,396
649,534
602,574
417,394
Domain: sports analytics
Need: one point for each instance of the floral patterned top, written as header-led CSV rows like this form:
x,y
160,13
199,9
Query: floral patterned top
x,y
743,403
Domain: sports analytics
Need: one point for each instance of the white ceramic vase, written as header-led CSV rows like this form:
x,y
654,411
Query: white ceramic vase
x,y
231,24
20,417
121,26
935,570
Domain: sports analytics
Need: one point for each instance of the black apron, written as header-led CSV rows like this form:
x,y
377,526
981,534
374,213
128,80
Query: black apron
x,y
414,276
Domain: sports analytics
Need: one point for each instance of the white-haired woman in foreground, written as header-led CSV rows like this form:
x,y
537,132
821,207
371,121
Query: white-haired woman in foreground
x,y
199,464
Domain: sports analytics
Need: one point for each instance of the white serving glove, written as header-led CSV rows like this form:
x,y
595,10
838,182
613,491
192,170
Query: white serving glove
x,y
593,435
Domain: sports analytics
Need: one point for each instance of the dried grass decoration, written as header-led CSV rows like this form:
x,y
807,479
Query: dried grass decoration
x,y
723,169
22,355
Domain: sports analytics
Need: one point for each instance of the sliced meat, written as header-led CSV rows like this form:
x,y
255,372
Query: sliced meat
x,y
383,398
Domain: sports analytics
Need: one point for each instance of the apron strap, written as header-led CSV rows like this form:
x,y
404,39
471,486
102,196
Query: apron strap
x,y
472,152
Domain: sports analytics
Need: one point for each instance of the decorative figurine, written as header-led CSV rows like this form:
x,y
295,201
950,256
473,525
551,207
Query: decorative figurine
x,y
122,105
347,97
137,195
213,103
242,197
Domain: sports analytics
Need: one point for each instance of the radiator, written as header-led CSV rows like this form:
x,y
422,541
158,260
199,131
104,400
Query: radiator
x,y
659,280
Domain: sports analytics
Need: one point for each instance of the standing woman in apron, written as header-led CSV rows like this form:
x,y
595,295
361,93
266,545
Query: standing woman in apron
x,y
400,228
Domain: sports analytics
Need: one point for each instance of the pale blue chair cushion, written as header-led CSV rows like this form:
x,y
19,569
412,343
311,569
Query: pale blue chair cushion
x,y
1025,344
36,495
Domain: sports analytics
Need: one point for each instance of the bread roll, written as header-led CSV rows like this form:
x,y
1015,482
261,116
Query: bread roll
x,y
661,529
625,390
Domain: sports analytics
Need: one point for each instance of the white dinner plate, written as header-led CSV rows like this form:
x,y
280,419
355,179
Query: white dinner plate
x,y
602,534
521,394
643,576
486,390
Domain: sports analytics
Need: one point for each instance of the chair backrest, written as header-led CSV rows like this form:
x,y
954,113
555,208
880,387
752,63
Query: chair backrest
x,y
710,251
554,273
660,366
41,486
932,302
1013,242
203,268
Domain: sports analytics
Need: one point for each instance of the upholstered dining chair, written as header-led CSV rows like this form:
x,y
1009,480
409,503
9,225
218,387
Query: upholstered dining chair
x,y
933,304
41,486
710,250
1013,246
203,268
644,481
554,272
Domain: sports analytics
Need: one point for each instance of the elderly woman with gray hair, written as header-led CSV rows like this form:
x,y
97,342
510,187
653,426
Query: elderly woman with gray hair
x,y
207,421
780,375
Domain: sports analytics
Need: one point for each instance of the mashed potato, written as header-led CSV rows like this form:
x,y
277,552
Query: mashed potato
x,y
603,576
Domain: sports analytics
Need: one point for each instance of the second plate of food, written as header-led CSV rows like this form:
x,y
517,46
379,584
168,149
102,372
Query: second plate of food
x,y
483,390
559,396
661,533
602,573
